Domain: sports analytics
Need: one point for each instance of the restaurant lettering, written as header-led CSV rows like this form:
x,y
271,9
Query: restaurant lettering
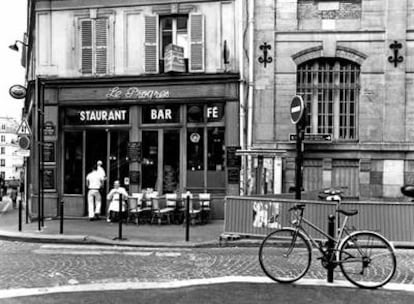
x,y
102,115
136,93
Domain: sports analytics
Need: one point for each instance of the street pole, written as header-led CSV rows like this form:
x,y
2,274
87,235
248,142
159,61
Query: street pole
x,y
299,161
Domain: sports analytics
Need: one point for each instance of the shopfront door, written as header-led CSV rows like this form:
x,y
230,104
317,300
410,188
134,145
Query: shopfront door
x,y
83,149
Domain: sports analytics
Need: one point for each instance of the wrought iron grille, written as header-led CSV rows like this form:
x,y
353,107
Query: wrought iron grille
x,y
330,89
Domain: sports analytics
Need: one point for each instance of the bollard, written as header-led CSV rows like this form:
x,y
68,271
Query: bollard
x,y
20,215
61,217
330,248
187,219
120,217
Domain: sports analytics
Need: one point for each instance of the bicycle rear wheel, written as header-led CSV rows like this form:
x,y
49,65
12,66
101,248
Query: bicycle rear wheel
x,y
367,259
285,255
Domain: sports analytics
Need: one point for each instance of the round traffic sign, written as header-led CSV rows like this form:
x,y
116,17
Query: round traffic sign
x,y
297,108
24,142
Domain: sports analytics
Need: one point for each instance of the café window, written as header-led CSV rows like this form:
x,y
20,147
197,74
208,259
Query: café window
x,y
205,147
73,159
174,43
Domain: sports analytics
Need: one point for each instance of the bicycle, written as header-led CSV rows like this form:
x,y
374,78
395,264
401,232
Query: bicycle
x,y
285,254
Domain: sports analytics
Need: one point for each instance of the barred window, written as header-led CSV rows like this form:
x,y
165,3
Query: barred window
x,y
330,89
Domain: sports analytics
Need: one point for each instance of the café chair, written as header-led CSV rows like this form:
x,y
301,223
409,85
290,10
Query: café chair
x,y
148,206
135,207
160,213
204,200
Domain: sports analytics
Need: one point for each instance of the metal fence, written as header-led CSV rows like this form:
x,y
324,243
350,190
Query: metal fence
x,y
257,216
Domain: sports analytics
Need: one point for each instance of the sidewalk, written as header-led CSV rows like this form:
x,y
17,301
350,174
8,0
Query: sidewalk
x,y
83,231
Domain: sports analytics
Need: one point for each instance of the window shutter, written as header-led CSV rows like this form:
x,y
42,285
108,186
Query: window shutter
x,y
101,34
196,60
151,44
86,46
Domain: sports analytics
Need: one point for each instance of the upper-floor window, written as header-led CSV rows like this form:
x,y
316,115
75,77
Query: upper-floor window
x,y
173,30
330,89
3,150
185,32
3,138
3,126
94,46
2,162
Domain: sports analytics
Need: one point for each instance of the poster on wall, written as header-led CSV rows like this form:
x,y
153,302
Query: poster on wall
x,y
266,215
134,177
49,129
233,175
233,160
134,151
49,152
49,179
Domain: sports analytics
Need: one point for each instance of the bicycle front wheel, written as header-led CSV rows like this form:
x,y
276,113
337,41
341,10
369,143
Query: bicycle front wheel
x,y
367,259
285,255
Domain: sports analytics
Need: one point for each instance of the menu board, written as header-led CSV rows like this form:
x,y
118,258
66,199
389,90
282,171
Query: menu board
x,y
49,152
49,129
49,178
233,175
134,151
134,177
233,160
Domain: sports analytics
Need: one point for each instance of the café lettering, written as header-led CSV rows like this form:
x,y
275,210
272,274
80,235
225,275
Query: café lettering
x,y
136,93
102,115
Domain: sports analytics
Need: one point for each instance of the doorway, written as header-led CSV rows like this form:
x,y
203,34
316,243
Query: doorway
x,y
82,151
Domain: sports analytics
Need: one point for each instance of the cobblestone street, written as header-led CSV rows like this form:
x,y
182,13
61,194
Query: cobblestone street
x,y
26,265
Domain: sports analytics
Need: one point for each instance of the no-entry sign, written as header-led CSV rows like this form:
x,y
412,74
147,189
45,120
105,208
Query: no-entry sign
x,y
296,109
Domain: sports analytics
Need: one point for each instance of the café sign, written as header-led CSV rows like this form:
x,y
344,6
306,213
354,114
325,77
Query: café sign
x,y
96,116
136,93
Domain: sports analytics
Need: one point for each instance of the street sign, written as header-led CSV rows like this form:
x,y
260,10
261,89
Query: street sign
x,y
24,142
297,108
24,128
313,137
23,153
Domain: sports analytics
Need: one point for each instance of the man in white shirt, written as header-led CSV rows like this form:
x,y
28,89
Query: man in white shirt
x,y
101,170
113,197
94,181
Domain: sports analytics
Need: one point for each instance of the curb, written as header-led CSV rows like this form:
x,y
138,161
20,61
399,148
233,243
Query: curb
x,y
95,240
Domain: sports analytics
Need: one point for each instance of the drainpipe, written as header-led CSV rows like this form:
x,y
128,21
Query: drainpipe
x,y
242,103
250,92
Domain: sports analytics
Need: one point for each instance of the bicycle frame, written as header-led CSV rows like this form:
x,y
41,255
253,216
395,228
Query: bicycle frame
x,y
314,242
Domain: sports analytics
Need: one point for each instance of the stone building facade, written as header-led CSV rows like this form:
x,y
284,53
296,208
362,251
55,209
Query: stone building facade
x,y
352,62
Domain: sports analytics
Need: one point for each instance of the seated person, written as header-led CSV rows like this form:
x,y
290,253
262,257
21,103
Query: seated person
x,y
113,198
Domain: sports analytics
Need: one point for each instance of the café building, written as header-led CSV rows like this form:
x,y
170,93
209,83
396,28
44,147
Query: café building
x,y
160,132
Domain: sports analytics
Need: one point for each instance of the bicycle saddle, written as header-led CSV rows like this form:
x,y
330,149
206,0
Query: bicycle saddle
x,y
408,190
347,212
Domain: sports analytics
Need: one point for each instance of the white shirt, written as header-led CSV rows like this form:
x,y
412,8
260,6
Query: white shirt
x,y
95,180
101,171
113,195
